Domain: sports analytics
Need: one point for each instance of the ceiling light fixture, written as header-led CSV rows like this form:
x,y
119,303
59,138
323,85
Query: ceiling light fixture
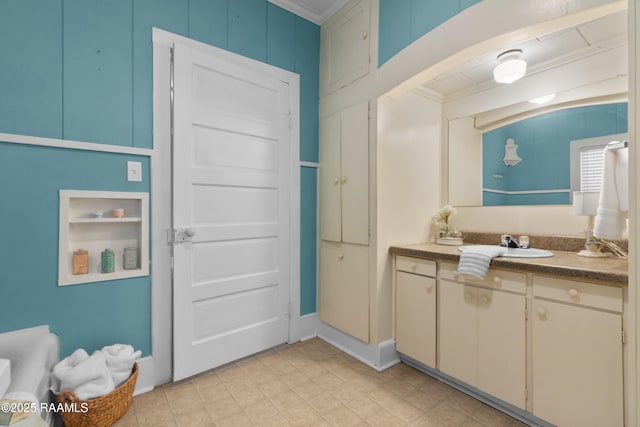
x,y
543,99
510,67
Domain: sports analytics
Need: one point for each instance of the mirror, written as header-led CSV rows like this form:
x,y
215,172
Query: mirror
x,y
584,66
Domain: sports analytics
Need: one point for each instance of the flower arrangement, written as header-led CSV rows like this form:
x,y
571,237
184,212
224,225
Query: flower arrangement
x,y
443,220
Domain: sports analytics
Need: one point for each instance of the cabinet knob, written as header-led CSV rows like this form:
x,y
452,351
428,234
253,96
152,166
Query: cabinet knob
x,y
344,179
468,295
190,232
573,292
542,312
336,180
414,267
340,257
497,280
484,298
429,287
365,35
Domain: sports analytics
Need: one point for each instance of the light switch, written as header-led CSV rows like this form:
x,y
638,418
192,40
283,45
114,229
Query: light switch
x,y
134,171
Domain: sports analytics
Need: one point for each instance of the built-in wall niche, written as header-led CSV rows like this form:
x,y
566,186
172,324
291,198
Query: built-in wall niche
x,y
99,220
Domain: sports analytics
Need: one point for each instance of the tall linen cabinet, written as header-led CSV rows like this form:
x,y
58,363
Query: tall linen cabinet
x,y
379,183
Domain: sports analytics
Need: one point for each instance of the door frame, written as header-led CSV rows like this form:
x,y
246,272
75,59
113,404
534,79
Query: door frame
x,y
161,200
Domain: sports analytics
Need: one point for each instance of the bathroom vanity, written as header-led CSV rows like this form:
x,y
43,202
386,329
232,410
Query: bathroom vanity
x,y
541,339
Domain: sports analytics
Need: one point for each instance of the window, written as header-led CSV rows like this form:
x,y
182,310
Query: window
x,y
586,159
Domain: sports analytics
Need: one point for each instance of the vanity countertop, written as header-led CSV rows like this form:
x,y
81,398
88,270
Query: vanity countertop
x,y
566,264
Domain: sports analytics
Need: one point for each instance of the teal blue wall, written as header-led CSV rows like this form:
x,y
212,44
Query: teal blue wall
x,y
404,21
543,144
82,70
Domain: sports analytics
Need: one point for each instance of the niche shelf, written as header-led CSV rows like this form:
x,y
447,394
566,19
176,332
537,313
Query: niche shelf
x,y
79,229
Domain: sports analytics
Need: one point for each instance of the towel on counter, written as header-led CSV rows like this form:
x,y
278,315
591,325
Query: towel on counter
x,y
475,260
120,359
88,376
613,205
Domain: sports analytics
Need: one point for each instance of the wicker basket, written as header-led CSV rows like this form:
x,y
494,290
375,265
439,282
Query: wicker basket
x,y
104,410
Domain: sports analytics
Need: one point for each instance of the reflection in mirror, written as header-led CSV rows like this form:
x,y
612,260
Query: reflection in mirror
x,y
542,177
585,66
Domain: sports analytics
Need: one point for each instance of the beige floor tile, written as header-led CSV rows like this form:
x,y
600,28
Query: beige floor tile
x,y
308,390
279,420
303,415
342,416
423,400
364,407
314,384
325,402
446,415
222,408
214,392
385,419
464,403
491,417
238,419
186,404
152,399
200,418
261,410
206,381
287,400
247,396
273,388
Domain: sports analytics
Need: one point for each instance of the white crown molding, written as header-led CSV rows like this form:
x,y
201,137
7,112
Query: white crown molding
x,y
318,13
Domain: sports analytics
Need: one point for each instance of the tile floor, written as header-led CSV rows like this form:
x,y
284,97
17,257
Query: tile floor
x,y
314,384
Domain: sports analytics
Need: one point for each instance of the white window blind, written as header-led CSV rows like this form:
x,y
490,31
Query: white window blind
x,y
591,159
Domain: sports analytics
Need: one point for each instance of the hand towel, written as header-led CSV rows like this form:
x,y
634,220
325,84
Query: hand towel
x,y
475,260
120,359
613,205
87,376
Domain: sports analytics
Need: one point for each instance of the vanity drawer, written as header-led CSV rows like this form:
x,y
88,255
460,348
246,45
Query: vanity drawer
x,y
580,293
420,266
495,279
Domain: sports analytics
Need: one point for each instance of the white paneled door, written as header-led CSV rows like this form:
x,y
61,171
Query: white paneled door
x,y
231,183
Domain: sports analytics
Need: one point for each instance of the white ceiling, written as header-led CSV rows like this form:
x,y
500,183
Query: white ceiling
x,y
316,11
542,54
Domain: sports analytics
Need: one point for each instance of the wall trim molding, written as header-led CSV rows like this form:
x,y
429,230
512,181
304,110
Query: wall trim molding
x,y
75,145
309,164
491,190
146,376
379,356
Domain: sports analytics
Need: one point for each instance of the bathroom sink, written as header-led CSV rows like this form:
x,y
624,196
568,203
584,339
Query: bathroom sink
x,y
515,252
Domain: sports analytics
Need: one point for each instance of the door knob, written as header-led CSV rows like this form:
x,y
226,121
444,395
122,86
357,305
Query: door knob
x,y
542,312
190,232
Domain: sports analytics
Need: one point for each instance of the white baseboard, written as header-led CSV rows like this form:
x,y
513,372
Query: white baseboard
x,y
305,328
378,356
146,376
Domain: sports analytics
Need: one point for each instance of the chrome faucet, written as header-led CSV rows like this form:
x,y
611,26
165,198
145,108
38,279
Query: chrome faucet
x,y
509,241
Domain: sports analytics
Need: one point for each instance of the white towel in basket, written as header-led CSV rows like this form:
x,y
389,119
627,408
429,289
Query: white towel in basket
x,y
120,359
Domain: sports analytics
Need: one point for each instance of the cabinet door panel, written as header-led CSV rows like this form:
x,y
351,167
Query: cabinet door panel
x,y
458,331
355,174
416,317
344,288
330,179
577,365
502,345
344,55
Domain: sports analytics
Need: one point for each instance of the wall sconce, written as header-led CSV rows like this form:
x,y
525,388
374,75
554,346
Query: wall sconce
x,y
511,157
510,68
586,203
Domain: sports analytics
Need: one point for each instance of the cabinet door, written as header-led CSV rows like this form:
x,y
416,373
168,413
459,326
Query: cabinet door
x,y
502,345
344,41
416,317
344,288
330,179
355,174
577,365
457,324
